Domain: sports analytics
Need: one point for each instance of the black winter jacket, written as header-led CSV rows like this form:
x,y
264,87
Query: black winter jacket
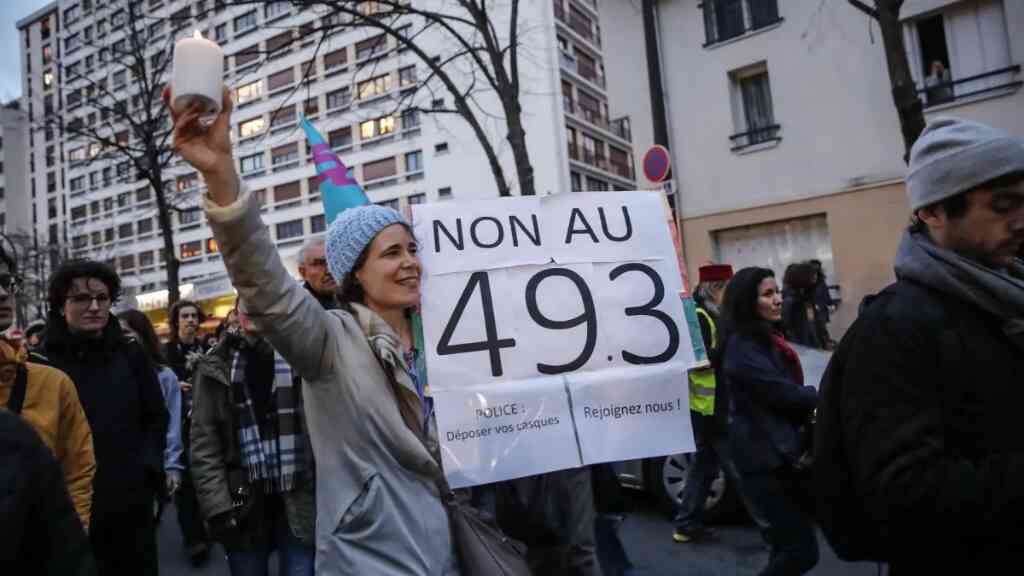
x,y
766,406
933,420
122,399
40,532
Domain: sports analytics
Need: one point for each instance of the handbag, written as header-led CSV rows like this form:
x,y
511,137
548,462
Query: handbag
x,y
482,548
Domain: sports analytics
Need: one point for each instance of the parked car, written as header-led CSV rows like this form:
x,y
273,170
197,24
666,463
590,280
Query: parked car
x,y
665,476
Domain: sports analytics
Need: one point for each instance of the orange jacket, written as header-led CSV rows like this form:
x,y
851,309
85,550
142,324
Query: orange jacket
x,y
52,408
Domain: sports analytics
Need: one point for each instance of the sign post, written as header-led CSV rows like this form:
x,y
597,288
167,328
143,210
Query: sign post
x,y
555,334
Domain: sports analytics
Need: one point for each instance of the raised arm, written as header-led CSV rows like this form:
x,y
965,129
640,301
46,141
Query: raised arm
x,y
285,313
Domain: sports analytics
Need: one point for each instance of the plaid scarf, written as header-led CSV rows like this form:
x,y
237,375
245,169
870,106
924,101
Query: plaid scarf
x,y
275,454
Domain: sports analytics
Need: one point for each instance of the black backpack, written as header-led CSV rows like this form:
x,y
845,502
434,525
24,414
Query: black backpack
x,y
839,511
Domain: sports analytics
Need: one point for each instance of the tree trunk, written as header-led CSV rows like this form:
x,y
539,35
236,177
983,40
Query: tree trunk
x,y
164,218
517,141
904,92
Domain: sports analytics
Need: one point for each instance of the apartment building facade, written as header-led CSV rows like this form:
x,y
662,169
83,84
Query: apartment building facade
x,y
358,87
785,141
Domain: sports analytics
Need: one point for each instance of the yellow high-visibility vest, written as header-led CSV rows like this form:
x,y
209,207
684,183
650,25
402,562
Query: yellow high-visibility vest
x,y
702,382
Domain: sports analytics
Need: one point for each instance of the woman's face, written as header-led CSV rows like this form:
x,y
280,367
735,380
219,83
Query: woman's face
x,y
769,300
390,277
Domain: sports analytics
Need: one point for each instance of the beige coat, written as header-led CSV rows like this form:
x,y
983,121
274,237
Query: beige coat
x,y
378,510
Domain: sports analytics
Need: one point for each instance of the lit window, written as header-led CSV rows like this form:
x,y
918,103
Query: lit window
x,y
191,249
251,127
374,87
249,92
47,79
211,246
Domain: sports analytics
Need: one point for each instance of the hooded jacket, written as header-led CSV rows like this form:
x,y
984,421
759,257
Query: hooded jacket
x,y
378,507
121,396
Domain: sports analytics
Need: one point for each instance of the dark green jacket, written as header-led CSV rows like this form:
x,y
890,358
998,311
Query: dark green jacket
x,y
215,456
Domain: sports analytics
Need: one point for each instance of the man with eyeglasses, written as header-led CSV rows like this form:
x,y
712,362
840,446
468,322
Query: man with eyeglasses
x,y
123,402
47,400
313,269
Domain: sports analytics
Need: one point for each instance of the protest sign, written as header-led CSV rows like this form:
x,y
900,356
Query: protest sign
x,y
540,316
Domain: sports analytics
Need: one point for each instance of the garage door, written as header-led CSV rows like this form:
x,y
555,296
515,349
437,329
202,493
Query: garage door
x,y
776,245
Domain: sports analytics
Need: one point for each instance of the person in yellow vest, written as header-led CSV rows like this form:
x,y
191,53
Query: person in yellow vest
x,y
711,453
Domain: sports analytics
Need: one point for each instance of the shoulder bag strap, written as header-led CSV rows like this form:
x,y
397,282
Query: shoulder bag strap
x,y
17,399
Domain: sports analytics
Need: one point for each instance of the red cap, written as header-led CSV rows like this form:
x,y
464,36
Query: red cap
x,y
715,273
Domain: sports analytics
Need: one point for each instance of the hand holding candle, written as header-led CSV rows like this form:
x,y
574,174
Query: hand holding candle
x,y
198,76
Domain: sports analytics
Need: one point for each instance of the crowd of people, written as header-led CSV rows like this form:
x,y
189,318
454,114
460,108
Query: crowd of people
x,y
304,425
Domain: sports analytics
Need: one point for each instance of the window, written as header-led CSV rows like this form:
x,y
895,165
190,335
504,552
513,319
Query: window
x,y
220,32
125,231
339,98
78,184
47,79
245,22
156,28
119,79
340,138
252,163
279,44
47,55
417,199
371,47
281,79
393,204
437,104
385,168
407,76
727,19
191,249
752,108
317,224
284,154
595,185
76,155
286,192
252,127
374,87
211,246
275,9
250,92
414,161
378,127
410,119
72,43
576,181
441,148
78,213
145,226
444,193
187,182
962,51
187,217
146,259
590,107
247,55
312,106
123,199
142,195
290,229
335,59
283,117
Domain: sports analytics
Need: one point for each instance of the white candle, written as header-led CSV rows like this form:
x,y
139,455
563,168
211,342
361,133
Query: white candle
x,y
198,75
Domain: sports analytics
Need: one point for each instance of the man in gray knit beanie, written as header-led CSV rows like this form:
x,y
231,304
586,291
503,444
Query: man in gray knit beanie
x,y
919,441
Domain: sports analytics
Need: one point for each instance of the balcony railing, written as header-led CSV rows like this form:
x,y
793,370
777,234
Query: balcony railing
x,y
946,92
755,136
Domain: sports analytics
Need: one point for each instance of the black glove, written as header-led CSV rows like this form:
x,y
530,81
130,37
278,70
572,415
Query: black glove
x,y
222,524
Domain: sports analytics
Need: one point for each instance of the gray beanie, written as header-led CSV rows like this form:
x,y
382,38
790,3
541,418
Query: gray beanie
x,y
953,156
352,231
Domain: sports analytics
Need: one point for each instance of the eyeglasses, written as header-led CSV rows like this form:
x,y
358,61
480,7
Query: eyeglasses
x,y
320,262
85,300
11,283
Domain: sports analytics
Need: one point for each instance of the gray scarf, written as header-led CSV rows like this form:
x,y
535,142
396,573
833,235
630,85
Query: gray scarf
x,y
1001,293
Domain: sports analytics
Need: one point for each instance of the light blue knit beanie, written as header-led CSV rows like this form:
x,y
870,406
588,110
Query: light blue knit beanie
x,y
352,231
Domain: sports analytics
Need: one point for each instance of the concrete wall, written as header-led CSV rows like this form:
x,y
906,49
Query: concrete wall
x,y
865,225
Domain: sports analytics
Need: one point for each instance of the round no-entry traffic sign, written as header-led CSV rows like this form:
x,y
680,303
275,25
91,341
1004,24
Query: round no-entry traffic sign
x,y
657,164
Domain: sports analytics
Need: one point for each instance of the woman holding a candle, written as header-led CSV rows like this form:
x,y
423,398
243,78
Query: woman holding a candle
x,y
370,418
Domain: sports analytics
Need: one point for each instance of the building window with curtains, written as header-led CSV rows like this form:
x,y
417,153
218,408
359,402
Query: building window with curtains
x,y
728,19
753,110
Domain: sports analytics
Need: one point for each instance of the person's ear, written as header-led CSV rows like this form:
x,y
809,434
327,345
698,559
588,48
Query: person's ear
x,y
933,216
